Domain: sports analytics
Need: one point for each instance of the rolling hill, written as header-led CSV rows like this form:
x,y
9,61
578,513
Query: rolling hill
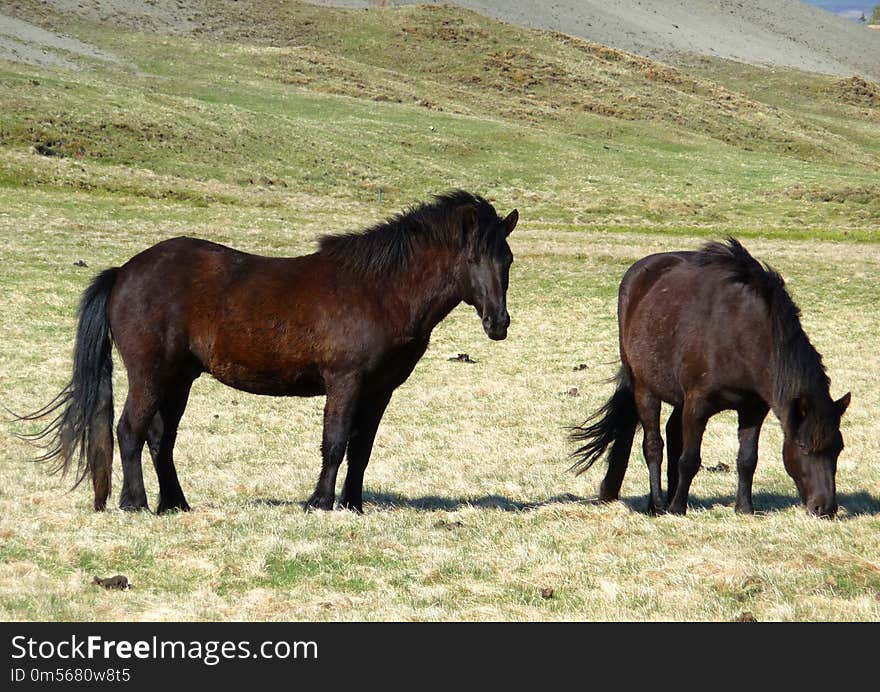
x,y
779,33
246,101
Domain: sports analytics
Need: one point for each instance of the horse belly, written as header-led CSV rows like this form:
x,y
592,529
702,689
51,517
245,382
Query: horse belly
x,y
262,360
272,382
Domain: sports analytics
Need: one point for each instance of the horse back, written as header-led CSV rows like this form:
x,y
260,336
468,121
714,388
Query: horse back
x,y
686,327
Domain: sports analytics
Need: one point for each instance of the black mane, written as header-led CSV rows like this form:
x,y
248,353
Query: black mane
x,y
797,367
387,247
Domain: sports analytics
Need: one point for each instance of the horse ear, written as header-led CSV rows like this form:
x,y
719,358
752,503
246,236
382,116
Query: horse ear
x,y
510,222
842,404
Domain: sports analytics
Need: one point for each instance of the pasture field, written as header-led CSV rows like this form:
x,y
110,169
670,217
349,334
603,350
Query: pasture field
x,y
469,509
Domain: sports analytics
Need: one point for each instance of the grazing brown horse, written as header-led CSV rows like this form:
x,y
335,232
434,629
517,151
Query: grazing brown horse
x,y
705,332
350,321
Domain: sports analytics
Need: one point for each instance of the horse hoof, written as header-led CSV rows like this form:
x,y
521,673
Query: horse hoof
x,y
315,504
606,495
677,510
351,507
128,505
181,506
744,509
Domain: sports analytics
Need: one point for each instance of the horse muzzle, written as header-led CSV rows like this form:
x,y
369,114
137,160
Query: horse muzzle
x,y
496,326
823,508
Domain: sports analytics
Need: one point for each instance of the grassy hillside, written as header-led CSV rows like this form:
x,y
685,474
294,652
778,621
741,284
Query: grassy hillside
x,y
263,125
416,99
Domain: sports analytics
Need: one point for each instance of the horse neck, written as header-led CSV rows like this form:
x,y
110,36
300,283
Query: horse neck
x,y
797,373
430,288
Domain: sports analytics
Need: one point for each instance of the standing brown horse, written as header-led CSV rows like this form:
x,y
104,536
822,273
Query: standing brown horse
x,y
705,332
350,321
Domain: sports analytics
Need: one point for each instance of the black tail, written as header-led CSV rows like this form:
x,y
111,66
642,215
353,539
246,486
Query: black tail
x,y
83,426
616,421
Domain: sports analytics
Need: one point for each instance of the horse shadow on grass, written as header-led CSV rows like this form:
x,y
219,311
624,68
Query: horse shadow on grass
x,y
450,504
855,504
435,503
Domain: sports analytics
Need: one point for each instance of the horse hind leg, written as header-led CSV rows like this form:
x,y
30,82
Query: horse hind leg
x,y
618,461
673,451
614,424
693,425
131,431
161,436
648,407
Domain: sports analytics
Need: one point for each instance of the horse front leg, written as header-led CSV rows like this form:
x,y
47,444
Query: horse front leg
x,y
342,395
360,445
750,422
693,425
